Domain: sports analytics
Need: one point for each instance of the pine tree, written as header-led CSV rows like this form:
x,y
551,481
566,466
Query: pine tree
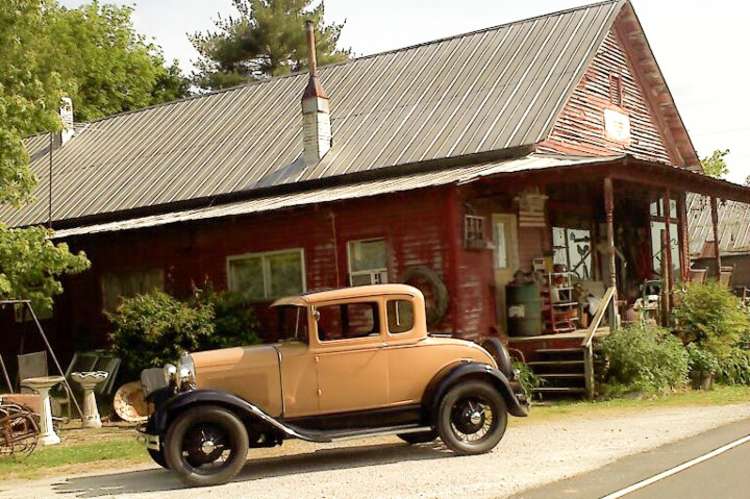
x,y
266,39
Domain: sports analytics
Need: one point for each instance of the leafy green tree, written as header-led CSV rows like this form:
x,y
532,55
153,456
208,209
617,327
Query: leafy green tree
x,y
715,165
105,66
31,265
267,38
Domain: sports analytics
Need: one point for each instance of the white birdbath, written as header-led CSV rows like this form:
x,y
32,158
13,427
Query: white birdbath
x,y
42,386
88,381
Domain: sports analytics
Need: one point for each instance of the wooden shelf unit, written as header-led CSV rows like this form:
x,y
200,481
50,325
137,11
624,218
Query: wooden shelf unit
x,y
560,308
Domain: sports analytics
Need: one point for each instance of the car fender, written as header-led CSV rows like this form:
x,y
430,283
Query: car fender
x,y
455,373
159,421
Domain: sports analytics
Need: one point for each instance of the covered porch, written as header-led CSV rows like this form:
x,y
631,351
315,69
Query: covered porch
x,y
580,251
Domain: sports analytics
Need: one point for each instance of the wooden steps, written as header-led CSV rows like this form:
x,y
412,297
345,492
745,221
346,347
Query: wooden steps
x,y
562,371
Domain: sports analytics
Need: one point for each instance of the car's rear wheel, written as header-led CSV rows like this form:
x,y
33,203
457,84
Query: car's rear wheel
x,y
206,445
418,438
472,417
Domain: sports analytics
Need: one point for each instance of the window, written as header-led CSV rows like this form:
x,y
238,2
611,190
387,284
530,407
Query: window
x,y
615,89
367,262
573,248
474,232
658,224
347,321
265,276
501,246
292,323
400,316
119,285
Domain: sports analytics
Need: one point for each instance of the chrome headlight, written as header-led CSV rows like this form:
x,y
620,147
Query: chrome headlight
x,y
186,373
170,374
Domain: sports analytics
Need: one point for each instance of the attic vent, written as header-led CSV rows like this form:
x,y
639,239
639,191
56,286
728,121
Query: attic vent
x,y
615,89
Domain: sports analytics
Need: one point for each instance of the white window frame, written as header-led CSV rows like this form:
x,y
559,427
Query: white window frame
x,y
266,270
382,271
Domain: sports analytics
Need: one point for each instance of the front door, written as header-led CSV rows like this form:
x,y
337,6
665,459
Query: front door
x,y
351,358
505,261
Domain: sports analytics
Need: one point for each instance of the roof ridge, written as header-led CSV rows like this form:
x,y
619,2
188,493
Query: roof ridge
x,y
356,59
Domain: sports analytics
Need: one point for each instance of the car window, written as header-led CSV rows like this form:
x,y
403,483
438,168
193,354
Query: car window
x,y
400,316
292,323
348,320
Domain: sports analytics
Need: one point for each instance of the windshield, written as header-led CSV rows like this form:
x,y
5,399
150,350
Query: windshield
x,y
292,323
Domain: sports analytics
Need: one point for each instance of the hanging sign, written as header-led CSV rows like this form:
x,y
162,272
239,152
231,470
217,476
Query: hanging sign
x,y
617,126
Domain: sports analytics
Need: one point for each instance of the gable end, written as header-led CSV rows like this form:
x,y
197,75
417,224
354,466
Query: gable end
x,y
608,112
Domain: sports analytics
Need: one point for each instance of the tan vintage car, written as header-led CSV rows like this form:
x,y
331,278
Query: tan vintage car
x,y
352,362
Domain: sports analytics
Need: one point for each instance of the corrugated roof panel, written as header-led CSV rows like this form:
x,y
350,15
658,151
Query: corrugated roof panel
x,y
487,90
458,175
734,225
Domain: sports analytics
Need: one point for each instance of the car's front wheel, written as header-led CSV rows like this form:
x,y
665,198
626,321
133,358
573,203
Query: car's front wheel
x,y
206,445
472,417
158,457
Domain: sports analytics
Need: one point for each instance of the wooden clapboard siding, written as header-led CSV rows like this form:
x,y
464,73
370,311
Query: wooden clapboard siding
x,y
579,129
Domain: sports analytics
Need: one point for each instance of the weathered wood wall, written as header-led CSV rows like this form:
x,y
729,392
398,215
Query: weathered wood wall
x,y
580,128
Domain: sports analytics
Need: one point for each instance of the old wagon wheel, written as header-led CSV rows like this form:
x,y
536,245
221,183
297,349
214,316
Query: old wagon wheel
x,y
19,430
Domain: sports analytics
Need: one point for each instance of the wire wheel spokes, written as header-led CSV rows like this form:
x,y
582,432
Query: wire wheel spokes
x,y
472,419
206,447
19,430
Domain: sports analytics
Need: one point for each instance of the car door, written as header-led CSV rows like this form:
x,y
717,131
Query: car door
x,y
352,365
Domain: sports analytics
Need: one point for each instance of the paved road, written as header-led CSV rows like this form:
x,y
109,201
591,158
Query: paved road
x,y
725,475
533,452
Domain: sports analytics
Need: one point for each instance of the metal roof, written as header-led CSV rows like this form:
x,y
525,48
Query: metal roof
x,y
483,91
734,225
457,175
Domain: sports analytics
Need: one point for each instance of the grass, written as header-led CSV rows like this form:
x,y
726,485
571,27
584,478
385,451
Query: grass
x,y
720,395
108,448
85,448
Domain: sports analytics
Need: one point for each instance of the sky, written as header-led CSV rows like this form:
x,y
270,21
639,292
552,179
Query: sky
x,y
701,46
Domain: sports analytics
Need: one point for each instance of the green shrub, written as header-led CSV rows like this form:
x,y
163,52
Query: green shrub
x,y
234,321
711,316
526,378
153,329
643,358
701,361
734,367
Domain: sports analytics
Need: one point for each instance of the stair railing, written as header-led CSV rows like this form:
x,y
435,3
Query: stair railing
x,y
588,341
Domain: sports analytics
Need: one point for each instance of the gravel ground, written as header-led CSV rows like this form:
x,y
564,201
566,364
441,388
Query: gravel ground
x,y
531,454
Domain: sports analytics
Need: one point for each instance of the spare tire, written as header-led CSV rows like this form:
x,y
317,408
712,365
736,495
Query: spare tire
x,y
436,294
498,352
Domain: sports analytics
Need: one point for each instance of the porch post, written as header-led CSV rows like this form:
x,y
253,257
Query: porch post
x,y
609,209
668,250
715,221
682,227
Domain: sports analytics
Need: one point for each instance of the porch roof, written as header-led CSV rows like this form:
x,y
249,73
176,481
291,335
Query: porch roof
x,y
552,167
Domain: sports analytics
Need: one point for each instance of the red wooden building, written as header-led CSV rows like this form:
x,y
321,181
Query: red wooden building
x,y
455,163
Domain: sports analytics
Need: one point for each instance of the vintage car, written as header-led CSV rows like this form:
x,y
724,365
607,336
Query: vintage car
x,y
352,362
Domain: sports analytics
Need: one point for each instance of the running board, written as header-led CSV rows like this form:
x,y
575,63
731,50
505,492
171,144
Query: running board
x,y
320,436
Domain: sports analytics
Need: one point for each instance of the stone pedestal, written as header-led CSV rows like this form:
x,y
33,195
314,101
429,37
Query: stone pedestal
x,y
42,386
88,381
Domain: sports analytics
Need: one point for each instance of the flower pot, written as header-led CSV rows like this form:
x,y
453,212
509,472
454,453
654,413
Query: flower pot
x,y
702,381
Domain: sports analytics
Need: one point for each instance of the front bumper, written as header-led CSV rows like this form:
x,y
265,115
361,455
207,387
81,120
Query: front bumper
x,y
152,442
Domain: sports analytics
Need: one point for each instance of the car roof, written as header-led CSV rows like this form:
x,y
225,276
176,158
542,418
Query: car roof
x,y
347,293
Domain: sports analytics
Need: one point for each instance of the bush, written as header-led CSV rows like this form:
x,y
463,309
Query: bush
x,y
644,358
734,368
711,316
701,361
234,321
526,378
153,329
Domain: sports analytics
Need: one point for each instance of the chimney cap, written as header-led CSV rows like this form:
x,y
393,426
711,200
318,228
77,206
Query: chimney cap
x,y
313,89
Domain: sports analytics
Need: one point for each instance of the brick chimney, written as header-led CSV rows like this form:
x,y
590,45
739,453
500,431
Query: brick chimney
x,y
316,119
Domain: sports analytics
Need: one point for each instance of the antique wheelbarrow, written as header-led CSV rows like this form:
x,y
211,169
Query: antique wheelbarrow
x,y
19,430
